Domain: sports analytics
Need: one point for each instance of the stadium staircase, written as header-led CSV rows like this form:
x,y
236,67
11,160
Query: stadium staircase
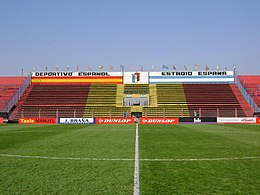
x,y
153,95
21,102
252,86
249,111
212,100
10,87
119,95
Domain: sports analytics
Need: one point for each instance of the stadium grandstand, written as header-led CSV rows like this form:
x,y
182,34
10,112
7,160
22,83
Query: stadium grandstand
x,y
162,123
126,94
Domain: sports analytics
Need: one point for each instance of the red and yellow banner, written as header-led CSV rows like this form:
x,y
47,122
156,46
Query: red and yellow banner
x,y
101,77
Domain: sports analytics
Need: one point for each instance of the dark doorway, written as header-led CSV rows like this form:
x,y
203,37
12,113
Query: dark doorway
x,y
137,114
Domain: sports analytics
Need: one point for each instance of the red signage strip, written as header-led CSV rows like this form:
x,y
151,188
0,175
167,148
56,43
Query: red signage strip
x,y
158,120
1,120
114,120
37,121
257,120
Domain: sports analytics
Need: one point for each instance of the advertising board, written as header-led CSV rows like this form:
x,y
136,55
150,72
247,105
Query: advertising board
x,y
77,77
198,120
76,120
1,120
257,120
158,120
75,74
114,120
37,121
191,77
138,77
238,120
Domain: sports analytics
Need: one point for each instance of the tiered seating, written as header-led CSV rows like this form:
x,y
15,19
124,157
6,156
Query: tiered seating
x,y
8,88
101,102
252,85
57,95
212,100
170,100
12,80
170,94
71,100
55,100
102,94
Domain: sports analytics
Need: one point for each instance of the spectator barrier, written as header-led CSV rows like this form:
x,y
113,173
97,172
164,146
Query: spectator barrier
x,y
180,120
114,120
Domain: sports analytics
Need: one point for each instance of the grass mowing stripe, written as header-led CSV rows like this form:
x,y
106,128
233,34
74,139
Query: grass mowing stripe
x,y
192,161
43,170
90,159
136,173
72,141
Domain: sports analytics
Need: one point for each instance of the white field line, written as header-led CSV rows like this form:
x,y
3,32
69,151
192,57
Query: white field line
x,y
203,159
83,129
130,159
136,173
67,158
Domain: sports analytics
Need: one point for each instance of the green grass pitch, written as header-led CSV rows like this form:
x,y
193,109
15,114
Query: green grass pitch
x,y
100,159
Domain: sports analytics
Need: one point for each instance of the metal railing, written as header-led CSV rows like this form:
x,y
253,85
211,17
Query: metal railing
x,y
136,91
200,112
247,96
73,113
19,92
